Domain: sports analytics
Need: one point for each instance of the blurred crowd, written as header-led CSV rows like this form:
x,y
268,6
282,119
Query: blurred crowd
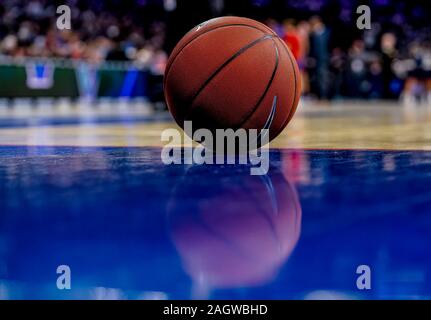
x,y
391,60
100,31
378,64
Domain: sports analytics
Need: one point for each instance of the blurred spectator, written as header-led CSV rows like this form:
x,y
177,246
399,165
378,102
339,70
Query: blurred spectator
x,y
337,71
117,53
319,58
418,83
356,76
303,32
291,38
389,53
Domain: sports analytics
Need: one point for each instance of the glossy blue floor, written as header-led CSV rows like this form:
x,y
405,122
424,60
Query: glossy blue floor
x,y
123,220
130,227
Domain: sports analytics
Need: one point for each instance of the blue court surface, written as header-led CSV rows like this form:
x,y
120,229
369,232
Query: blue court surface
x,y
130,227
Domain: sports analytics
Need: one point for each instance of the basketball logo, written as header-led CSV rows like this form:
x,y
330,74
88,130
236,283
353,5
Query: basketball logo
x,y
39,75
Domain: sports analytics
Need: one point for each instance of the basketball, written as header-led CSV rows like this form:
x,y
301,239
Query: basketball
x,y
232,73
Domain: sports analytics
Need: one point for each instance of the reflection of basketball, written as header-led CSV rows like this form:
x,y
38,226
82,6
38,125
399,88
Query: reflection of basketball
x,y
241,232
226,72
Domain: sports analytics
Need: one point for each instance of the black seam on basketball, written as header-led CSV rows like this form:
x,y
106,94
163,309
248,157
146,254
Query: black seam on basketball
x,y
168,68
219,69
269,121
274,72
295,86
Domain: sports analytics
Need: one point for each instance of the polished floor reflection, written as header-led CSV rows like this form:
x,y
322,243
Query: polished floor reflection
x,y
130,227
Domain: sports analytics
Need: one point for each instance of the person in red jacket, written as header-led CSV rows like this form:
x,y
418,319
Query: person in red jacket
x,y
292,39
296,38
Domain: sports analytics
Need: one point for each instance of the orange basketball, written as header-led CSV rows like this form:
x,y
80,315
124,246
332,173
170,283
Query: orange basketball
x,y
232,72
